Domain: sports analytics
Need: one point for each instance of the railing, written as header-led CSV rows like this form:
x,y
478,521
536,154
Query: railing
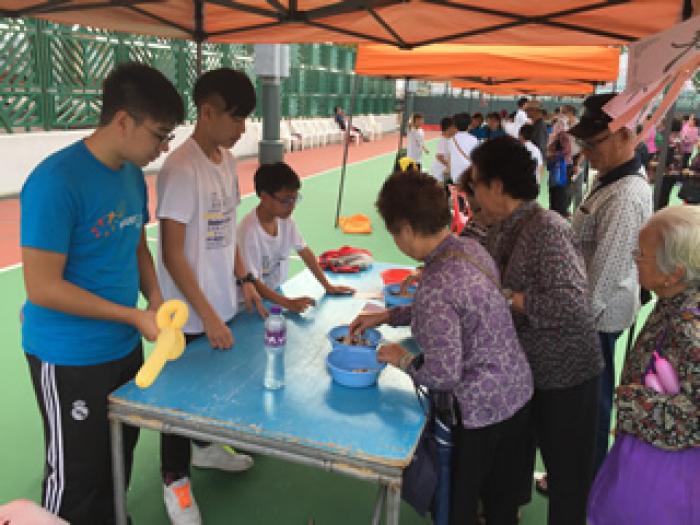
x,y
51,74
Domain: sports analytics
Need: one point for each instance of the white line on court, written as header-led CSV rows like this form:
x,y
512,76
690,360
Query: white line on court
x,y
10,267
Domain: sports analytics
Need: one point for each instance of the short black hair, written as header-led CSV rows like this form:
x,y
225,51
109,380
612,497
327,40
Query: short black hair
x,y
462,121
527,131
494,115
428,213
507,160
477,115
676,125
143,92
234,87
271,178
522,101
446,123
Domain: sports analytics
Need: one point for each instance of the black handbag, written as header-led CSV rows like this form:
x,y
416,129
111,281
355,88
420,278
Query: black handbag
x,y
419,478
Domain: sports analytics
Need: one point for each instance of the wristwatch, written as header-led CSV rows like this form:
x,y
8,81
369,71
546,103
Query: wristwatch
x,y
247,278
508,294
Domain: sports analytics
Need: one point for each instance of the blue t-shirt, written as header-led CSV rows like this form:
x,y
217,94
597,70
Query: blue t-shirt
x,y
480,132
75,205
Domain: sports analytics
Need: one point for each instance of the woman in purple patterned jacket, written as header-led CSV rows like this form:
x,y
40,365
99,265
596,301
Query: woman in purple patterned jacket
x,y
463,325
544,277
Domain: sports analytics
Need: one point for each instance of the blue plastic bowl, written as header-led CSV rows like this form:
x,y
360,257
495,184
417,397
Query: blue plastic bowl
x,y
344,364
392,299
372,335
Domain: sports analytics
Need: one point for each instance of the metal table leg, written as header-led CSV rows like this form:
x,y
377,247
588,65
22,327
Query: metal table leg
x,y
379,505
118,474
393,504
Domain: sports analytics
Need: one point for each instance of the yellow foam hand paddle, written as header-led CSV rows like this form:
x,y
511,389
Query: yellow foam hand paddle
x,y
406,163
170,345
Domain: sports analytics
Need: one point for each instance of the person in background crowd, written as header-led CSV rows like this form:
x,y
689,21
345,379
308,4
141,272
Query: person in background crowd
x,y
689,138
539,134
493,126
605,228
477,127
520,116
650,476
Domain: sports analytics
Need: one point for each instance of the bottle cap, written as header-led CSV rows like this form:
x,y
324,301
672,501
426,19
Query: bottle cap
x,y
276,310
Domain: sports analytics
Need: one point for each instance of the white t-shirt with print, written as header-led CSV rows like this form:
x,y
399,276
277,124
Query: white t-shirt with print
x,y
460,145
437,169
203,196
415,143
267,256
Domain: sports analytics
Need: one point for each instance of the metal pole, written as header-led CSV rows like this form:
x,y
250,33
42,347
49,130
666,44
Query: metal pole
x,y
343,169
403,128
379,505
271,148
663,156
199,35
118,471
393,504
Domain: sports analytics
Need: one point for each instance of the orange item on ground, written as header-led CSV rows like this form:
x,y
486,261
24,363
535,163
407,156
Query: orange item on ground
x,y
358,223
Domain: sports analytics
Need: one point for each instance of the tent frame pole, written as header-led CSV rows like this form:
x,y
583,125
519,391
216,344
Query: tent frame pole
x,y
348,128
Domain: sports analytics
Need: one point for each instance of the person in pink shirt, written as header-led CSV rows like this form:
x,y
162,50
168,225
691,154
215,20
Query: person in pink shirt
x,y
651,139
689,137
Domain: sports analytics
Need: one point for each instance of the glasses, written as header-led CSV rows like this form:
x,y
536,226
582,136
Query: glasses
x,y
592,143
162,138
288,201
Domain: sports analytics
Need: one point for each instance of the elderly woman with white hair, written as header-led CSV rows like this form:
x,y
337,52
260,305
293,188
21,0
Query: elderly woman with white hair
x,y
652,474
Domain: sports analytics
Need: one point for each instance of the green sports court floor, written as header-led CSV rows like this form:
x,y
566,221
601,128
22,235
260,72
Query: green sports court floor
x,y
273,492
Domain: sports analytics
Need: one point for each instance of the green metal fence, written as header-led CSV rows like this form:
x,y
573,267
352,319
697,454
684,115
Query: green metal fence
x,y
51,74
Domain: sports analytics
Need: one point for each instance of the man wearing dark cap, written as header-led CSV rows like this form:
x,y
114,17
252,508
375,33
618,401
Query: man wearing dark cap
x,y
606,226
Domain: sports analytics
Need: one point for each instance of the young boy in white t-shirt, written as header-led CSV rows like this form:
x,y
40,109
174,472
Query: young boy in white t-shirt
x,y
268,234
197,258
440,168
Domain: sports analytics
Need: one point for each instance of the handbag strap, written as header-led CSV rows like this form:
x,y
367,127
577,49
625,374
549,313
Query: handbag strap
x,y
461,255
454,139
504,258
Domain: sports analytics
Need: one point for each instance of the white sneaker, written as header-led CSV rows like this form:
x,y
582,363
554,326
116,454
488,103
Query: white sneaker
x,y
180,503
221,458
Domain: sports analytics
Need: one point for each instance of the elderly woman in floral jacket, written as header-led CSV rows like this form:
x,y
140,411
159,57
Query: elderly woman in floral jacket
x,y
462,323
652,474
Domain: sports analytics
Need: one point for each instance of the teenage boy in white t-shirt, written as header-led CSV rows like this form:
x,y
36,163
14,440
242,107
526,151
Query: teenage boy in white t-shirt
x,y
268,234
197,259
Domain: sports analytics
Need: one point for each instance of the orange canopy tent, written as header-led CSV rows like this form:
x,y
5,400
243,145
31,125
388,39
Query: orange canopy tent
x,y
449,61
525,87
401,23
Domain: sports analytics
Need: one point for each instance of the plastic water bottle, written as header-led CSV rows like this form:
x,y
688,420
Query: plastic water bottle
x,y
275,341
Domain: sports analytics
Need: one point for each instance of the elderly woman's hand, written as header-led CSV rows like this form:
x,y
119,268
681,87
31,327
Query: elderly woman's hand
x,y
394,354
410,280
368,320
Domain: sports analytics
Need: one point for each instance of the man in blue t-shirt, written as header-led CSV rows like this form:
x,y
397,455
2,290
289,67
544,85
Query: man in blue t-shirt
x,y
85,257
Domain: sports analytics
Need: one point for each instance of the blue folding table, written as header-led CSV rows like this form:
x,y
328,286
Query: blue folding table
x,y
218,396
